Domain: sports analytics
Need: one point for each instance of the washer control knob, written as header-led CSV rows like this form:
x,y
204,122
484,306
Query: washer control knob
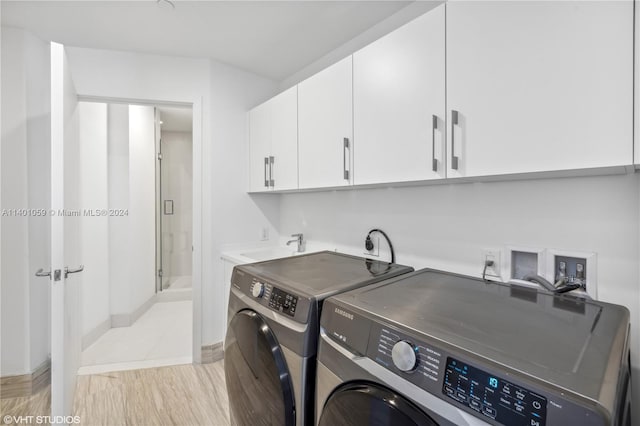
x,y
404,356
258,290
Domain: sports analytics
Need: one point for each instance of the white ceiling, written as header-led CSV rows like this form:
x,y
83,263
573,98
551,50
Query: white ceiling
x,y
271,38
175,119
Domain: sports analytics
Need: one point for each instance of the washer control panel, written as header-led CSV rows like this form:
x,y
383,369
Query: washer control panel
x,y
492,396
487,395
420,363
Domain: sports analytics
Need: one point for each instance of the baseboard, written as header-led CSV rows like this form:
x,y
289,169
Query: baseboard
x,y
93,335
212,353
125,320
27,384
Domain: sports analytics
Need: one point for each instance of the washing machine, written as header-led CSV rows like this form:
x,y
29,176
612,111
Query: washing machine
x,y
271,342
432,348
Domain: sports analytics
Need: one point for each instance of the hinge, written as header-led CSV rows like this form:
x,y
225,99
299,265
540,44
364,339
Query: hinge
x,y
160,273
159,156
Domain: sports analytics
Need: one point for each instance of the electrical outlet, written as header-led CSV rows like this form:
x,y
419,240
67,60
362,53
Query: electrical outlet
x,y
264,234
375,251
494,270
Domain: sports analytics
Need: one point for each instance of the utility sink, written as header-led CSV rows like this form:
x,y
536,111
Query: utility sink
x,y
269,253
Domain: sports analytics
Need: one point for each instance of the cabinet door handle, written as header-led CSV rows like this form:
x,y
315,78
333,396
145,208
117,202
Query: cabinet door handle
x,y
434,126
266,179
272,181
454,122
344,158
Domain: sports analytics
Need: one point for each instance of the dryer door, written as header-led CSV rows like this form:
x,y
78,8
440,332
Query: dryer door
x,y
258,381
369,404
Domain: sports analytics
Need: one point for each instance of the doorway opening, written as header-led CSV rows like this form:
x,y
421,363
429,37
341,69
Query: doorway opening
x,y
137,303
174,196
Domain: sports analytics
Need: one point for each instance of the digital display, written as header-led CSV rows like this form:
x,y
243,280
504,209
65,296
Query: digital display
x,y
283,302
492,396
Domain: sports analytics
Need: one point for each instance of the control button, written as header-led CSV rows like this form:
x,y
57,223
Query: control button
x,y
474,404
461,396
258,290
403,355
534,422
491,412
536,405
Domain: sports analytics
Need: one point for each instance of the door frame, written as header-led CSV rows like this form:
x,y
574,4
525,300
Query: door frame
x,y
197,186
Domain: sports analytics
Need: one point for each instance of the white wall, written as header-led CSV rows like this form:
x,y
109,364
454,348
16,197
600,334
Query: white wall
x,y
230,215
141,237
447,226
177,178
118,189
95,229
15,248
25,184
224,93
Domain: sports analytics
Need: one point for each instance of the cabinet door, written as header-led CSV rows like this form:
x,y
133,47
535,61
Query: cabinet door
x,y
538,86
259,147
325,121
284,139
399,104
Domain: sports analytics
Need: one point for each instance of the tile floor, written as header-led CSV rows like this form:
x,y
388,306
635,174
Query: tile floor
x,y
161,336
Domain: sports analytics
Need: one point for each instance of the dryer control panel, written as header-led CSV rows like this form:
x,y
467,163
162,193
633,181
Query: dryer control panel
x,y
283,302
271,295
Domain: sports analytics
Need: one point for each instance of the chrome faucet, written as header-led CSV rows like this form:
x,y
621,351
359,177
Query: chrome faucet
x,y
300,240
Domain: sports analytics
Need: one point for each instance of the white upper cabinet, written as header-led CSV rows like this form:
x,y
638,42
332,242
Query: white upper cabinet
x,y
399,104
273,143
538,86
284,140
325,127
259,147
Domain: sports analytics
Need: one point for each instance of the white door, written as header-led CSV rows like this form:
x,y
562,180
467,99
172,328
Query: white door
x,y
399,104
259,148
539,86
65,235
325,127
284,139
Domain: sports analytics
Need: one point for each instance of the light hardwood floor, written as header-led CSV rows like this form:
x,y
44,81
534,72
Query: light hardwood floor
x,y
37,404
177,395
